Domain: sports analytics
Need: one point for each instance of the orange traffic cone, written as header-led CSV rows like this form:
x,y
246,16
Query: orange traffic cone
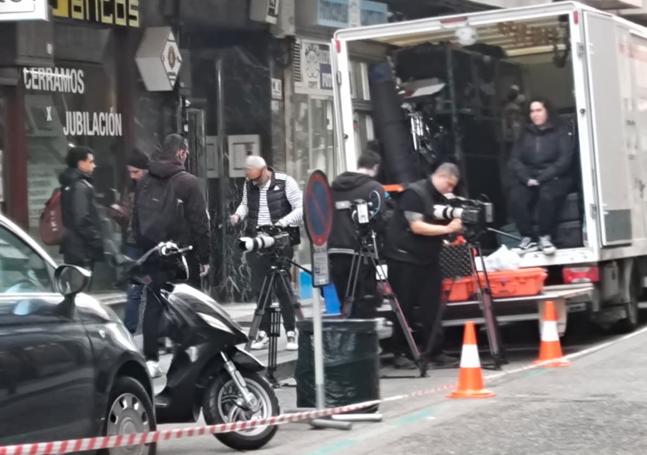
x,y
550,349
470,379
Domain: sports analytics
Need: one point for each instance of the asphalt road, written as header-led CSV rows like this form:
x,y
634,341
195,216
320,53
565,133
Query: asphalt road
x,y
597,405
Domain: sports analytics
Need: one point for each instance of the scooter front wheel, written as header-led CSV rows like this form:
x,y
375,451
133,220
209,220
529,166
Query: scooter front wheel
x,y
221,404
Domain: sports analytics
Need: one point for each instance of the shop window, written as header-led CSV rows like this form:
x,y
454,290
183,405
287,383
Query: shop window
x,y
359,86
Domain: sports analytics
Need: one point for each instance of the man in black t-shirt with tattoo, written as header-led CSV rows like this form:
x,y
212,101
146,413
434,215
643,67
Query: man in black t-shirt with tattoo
x,y
414,241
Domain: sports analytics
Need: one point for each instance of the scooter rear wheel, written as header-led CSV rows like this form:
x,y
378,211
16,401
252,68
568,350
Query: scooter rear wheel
x,y
219,406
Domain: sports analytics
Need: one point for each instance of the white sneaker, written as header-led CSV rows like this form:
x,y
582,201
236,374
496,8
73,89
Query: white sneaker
x,y
153,368
546,245
260,342
292,341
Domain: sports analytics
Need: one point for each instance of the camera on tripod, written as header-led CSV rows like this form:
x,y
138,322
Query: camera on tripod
x,y
270,239
476,215
362,212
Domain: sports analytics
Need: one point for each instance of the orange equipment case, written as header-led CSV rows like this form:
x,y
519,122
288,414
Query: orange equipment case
x,y
507,283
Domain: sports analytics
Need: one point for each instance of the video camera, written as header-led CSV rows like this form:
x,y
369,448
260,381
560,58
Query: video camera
x,y
362,212
474,214
270,239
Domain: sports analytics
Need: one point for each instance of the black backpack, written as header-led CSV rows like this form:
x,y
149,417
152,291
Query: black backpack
x,y
160,213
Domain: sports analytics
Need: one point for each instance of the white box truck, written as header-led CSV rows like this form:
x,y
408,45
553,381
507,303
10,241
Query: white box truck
x,y
593,65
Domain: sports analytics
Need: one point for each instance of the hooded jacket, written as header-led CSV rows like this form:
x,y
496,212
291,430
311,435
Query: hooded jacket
x,y
542,154
195,228
82,239
351,186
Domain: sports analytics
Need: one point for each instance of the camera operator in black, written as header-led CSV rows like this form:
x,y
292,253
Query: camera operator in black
x,y
414,241
269,199
344,240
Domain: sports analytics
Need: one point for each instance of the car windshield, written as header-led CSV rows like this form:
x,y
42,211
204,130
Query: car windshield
x,y
22,270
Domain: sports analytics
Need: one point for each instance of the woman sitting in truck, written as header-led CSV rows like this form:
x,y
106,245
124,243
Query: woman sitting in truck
x,y
540,165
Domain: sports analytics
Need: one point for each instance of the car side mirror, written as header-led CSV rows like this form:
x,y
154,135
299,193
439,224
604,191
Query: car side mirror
x,y
71,279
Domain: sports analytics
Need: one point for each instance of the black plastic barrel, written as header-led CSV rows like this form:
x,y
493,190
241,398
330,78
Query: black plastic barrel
x,y
351,362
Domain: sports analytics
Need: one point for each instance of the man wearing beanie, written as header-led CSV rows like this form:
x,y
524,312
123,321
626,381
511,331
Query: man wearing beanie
x,y
137,165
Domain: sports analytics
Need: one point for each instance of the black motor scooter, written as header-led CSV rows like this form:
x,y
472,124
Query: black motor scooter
x,y
208,371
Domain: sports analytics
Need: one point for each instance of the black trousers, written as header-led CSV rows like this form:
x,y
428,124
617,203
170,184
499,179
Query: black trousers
x,y
366,300
154,309
152,312
261,266
547,199
418,289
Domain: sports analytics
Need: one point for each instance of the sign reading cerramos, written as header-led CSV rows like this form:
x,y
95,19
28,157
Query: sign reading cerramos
x,y
72,81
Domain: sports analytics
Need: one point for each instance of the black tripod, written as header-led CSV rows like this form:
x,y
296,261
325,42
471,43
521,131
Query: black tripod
x,y
368,252
279,275
466,256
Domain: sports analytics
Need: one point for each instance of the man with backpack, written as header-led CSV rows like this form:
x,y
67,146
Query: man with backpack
x,y
82,242
169,206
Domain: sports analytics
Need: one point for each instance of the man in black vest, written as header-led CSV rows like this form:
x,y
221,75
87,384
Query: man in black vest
x,y
269,199
414,240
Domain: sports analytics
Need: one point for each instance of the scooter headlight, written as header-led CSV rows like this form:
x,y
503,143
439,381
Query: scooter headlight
x,y
215,323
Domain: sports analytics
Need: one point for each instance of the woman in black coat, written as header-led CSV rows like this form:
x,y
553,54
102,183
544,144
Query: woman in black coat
x,y
540,165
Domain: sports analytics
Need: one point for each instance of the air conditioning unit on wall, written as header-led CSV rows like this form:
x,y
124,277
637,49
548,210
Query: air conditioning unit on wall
x,y
264,11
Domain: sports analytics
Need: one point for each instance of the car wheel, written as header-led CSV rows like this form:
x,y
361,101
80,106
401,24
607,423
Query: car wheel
x,y
130,410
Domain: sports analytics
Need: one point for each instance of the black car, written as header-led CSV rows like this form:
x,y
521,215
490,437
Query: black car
x,y
68,367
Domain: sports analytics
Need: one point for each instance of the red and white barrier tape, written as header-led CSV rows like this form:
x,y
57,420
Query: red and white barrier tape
x,y
111,442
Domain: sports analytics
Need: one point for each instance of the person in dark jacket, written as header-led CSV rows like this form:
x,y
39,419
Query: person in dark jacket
x,y
168,164
540,165
345,242
82,238
137,166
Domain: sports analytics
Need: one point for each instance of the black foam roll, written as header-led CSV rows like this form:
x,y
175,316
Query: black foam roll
x,y
391,127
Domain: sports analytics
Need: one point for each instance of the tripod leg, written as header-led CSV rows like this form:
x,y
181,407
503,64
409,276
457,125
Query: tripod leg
x,y
497,351
284,283
351,287
264,300
274,334
397,309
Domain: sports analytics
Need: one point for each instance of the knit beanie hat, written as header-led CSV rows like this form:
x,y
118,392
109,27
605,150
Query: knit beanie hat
x,y
138,159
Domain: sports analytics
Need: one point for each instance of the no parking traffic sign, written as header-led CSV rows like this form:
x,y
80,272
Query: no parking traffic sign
x,y
318,213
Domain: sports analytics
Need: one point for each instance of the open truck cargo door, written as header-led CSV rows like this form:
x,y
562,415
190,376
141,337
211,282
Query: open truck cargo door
x,y
609,129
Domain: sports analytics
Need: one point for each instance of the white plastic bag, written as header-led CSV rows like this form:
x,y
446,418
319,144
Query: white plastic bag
x,y
502,259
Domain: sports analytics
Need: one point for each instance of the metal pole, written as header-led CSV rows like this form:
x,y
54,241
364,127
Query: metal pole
x,y
318,349
222,140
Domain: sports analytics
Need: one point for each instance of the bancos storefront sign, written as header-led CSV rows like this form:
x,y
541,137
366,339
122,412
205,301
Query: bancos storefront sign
x,y
123,13
24,10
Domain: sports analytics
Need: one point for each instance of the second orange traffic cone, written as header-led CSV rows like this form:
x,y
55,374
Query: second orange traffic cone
x,y
550,349
470,378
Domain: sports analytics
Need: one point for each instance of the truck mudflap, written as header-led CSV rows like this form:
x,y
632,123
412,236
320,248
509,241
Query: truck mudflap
x,y
567,298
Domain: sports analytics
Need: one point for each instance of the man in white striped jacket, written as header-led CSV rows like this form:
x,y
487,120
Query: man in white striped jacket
x,y
269,199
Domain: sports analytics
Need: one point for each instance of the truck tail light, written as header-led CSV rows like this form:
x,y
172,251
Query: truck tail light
x,y
581,274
